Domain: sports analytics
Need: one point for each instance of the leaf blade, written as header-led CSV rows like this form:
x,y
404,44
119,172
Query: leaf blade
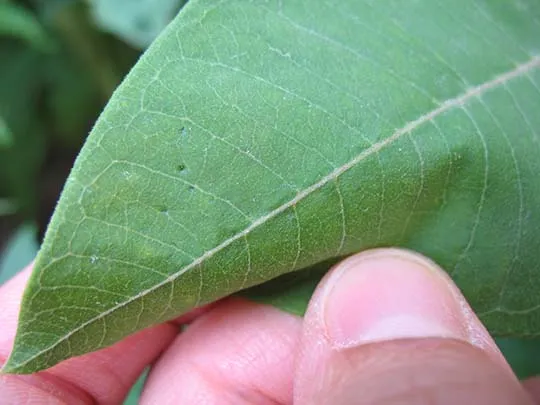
x,y
179,230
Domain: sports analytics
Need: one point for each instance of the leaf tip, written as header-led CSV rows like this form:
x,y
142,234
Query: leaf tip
x,y
19,363
10,368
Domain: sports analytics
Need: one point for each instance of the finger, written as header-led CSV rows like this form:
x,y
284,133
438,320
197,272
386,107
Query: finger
x,y
532,385
388,327
237,353
102,377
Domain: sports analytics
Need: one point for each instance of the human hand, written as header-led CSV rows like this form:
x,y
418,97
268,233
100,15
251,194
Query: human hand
x,y
384,327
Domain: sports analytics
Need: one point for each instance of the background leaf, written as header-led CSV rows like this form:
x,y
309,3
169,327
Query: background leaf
x,y
19,22
255,139
135,392
7,206
19,252
523,356
6,137
20,91
138,22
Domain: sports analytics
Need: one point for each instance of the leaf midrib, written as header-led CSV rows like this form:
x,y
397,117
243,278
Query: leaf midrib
x,y
448,105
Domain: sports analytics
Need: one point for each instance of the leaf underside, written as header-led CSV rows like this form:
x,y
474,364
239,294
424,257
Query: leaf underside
x,y
258,138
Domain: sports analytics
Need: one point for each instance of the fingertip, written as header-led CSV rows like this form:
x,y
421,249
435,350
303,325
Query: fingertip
x,y
532,385
379,296
413,371
390,293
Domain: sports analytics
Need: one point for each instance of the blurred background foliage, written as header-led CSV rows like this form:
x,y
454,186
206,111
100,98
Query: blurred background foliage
x,y
60,61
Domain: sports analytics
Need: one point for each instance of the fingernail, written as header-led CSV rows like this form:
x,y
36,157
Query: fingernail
x,y
389,294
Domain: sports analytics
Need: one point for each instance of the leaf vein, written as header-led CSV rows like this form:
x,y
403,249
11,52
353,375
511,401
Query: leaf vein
x,y
457,102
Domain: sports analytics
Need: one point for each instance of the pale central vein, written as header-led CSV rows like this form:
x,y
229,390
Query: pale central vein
x,y
456,102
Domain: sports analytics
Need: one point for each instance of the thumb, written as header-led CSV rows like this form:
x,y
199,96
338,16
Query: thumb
x,y
389,327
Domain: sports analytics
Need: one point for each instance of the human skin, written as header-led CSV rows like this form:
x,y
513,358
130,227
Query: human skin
x,y
384,327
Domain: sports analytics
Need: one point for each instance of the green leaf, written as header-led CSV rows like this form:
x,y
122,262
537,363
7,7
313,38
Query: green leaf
x,y
84,45
290,292
522,355
258,138
79,78
20,90
138,22
7,207
17,21
133,398
6,137
73,99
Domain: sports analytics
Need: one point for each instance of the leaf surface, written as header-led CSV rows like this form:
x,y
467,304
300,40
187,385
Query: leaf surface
x,y
257,138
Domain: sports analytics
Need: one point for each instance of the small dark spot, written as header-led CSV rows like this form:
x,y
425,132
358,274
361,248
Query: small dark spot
x,y
183,131
163,209
181,167
191,189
